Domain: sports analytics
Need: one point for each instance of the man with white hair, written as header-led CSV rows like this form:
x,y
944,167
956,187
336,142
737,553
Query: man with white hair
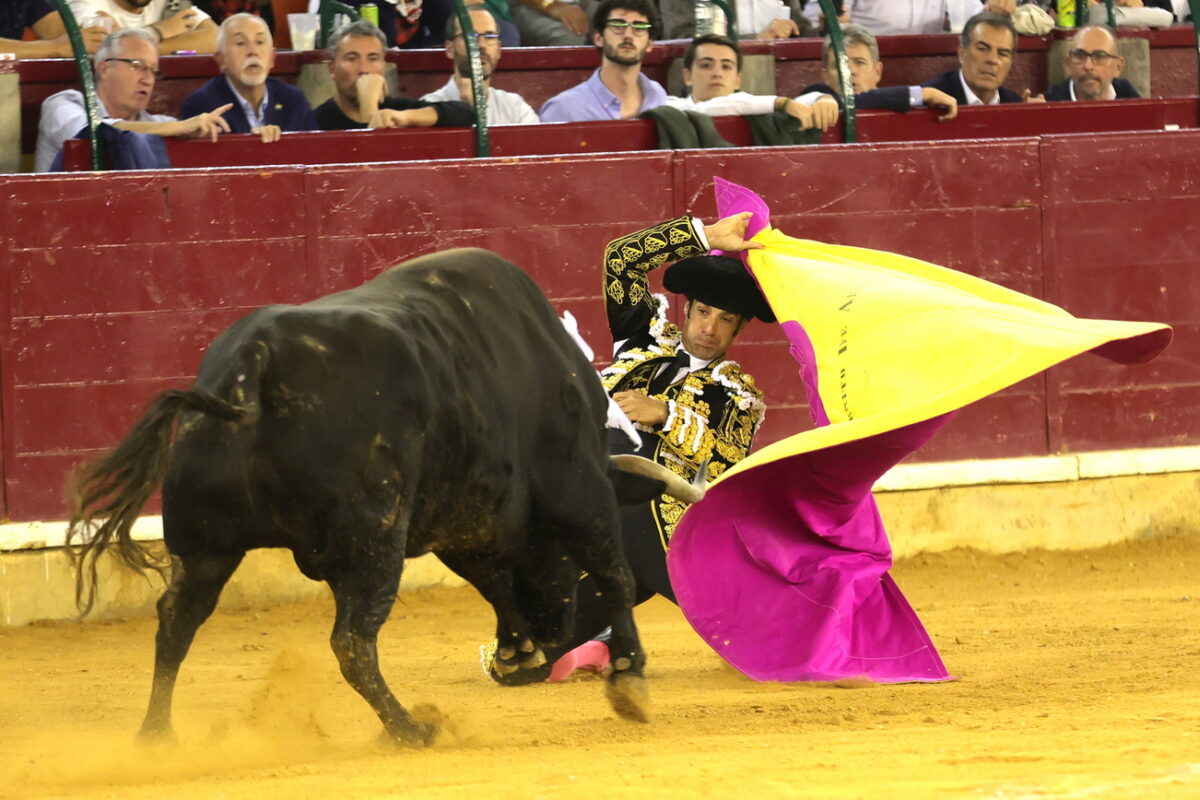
x,y
126,68
261,104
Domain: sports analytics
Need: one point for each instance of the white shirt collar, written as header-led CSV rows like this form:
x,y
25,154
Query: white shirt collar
x,y
972,98
253,116
1112,91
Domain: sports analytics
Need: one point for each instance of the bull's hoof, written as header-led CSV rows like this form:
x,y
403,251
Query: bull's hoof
x,y
154,736
410,734
519,669
628,696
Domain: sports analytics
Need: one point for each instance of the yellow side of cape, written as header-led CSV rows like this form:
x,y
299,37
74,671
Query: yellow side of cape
x,y
897,340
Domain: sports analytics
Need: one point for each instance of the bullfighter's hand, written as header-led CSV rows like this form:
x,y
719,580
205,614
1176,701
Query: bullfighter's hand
x,y
640,407
729,234
268,133
935,98
825,112
208,125
779,29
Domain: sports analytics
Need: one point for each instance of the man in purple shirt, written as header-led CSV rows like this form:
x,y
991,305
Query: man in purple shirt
x,y
624,30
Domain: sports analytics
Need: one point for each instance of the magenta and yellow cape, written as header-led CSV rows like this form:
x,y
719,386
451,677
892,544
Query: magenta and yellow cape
x,y
782,568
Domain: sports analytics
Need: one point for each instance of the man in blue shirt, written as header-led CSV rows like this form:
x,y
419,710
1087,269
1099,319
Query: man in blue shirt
x,y
261,104
624,30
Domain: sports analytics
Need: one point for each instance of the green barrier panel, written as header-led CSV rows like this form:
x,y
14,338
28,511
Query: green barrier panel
x,y
330,9
83,65
845,83
478,90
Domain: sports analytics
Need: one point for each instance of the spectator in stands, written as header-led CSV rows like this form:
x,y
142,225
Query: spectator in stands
x,y
552,23
221,10
417,23
188,29
503,108
126,71
625,32
1093,66
40,17
757,19
985,55
360,98
261,104
712,71
889,17
866,70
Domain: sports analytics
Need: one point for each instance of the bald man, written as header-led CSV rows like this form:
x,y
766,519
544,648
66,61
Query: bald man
x,y
1094,68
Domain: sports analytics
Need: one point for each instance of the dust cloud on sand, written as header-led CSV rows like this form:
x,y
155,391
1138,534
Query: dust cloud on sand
x,y
1077,679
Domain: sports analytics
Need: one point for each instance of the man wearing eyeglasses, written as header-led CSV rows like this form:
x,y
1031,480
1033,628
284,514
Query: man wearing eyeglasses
x,y
503,108
261,104
126,68
1093,66
624,32
173,29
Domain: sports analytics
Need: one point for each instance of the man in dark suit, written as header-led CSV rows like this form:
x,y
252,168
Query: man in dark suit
x,y
1093,66
985,56
261,104
866,70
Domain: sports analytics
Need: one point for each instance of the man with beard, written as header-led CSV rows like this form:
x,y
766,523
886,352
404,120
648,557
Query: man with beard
x,y
261,104
187,29
126,71
624,30
503,108
360,99
1093,66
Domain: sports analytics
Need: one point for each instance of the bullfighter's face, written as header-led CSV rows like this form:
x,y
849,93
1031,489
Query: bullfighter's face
x,y
356,56
247,53
708,331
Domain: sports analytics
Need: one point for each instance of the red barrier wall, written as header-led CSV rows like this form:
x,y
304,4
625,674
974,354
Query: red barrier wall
x,y
115,283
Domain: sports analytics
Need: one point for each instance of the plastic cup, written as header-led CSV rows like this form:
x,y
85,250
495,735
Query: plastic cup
x,y
99,21
370,13
959,11
303,30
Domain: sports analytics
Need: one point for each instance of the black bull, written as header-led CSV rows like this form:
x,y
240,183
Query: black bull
x,y
440,407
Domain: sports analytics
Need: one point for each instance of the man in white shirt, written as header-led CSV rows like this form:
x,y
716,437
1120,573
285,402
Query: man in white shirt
x,y
712,71
893,17
126,71
188,29
503,108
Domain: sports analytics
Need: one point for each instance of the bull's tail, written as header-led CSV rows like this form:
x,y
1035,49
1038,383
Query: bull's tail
x,y
107,495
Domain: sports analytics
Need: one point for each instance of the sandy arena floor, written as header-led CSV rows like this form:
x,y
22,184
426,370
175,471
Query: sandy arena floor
x,y
1078,679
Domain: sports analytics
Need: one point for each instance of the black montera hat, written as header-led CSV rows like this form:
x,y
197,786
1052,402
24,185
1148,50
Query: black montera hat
x,y
721,281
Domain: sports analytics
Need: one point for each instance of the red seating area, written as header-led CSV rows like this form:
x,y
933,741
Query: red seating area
x,y
115,283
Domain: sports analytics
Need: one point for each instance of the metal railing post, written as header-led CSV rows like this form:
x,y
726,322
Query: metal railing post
x,y
846,83
1194,5
87,78
329,10
478,88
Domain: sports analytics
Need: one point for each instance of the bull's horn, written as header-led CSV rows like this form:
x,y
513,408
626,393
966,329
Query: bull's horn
x,y
676,486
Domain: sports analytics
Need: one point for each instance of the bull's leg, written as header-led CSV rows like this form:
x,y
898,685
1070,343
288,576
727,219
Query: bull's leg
x,y
364,599
519,659
594,542
196,583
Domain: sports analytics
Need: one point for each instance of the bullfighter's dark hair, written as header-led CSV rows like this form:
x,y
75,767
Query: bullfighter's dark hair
x,y
689,55
644,7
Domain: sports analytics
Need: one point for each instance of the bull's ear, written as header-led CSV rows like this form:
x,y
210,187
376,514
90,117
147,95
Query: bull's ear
x,y
632,488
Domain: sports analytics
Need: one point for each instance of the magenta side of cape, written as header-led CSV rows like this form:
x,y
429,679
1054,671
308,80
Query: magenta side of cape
x,y
783,569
